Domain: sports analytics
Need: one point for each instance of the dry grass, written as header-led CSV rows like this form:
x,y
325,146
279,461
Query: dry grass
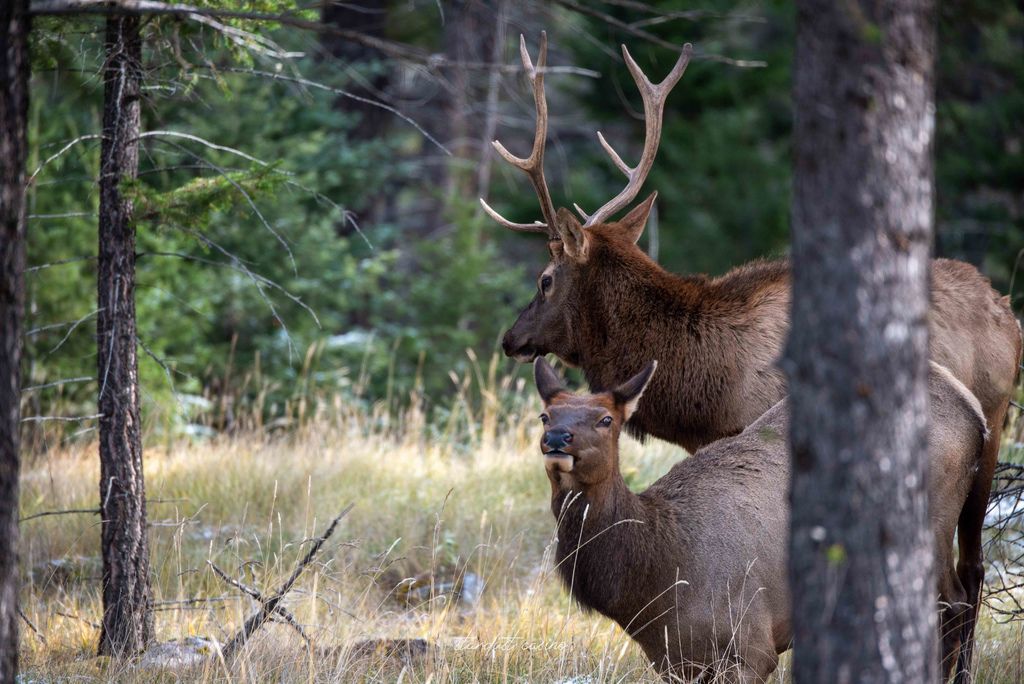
x,y
464,503
470,501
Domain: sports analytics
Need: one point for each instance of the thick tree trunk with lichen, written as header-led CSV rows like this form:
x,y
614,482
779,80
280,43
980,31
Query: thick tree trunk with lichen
x,y
127,622
860,550
14,70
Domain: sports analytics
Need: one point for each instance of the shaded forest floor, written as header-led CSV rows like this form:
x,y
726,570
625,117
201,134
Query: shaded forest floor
x,y
448,543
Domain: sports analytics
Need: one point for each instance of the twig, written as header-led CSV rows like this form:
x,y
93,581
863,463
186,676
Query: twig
x,y
58,383
171,605
74,326
66,214
62,419
226,176
53,157
68,511
344,93
237,266
269,608
92,624
30,625
650,37
204,142
60,262
167,372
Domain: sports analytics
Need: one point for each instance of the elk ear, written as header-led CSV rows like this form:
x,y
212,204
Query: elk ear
x,y
635,221
548,382
574,237
628,393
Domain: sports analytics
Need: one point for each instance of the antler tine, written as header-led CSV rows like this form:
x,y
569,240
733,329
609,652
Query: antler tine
x,y
534,164
535,227
654,96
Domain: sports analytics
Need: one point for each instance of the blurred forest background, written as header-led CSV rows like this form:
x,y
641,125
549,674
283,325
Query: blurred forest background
x,y
307,204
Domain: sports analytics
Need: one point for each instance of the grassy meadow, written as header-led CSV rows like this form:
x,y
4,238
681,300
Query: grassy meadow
x,y
449,542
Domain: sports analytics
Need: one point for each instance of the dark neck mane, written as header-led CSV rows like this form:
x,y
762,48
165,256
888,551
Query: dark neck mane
x,y
701,330
629,291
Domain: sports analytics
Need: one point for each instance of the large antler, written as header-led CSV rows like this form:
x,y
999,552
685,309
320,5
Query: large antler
x,y
534,164
654,106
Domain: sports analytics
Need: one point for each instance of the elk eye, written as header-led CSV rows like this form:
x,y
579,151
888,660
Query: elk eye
x,y
605,422
545,283
544,418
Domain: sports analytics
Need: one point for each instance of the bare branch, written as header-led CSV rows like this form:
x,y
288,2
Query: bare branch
x,y
171,605
338,91
242,191
67,214
31,626
77,617
166,369
660,16
650,37
74,326
237,265
62,419
60,262
58,383
69,511
61,151
203,141
269,608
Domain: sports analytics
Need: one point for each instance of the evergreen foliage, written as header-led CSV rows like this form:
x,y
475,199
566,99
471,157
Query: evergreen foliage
x,y
251,255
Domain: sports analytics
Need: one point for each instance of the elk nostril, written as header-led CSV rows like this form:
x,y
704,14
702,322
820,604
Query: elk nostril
x,y
556,439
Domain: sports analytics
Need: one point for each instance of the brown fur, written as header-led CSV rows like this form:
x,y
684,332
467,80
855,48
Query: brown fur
x,y
610,308
694,568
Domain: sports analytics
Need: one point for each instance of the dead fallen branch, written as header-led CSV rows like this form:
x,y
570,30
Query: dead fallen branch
x,y
72,616
271,609
192,602
31,626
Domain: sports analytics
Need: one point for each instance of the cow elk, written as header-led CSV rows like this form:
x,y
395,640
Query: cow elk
x,y
604,306
694,568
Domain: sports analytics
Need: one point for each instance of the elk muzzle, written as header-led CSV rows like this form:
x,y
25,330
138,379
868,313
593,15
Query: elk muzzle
x,y
557,438
518,349
554,443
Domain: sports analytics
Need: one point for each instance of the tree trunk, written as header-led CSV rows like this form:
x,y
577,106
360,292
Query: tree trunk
x,y
470,36
860,550
127,623
14,69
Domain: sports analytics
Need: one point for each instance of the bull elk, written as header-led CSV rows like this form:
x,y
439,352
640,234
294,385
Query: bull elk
x,y
603,305
694,568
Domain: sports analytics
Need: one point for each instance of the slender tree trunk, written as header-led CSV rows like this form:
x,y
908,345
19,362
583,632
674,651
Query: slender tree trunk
x,y
14,69
127,623
860,551
470,35
485,164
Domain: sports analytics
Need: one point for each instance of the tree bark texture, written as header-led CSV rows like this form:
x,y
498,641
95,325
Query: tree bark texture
x,y
14,71
860,550
127,623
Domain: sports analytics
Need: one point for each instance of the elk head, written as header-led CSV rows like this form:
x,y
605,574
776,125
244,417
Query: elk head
x,y
581,432
547,324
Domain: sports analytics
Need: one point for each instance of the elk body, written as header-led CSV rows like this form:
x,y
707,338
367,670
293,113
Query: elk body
x,y
694,568
604,306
